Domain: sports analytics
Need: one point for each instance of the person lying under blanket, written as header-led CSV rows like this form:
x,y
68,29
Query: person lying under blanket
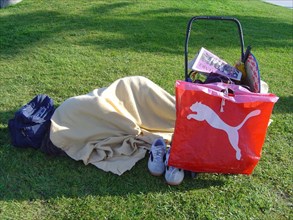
x,y
113,127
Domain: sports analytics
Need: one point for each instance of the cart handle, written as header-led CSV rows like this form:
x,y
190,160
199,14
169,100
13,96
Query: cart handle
x,y
210,18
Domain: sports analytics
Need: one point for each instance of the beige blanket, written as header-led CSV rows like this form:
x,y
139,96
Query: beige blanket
x,y
113,127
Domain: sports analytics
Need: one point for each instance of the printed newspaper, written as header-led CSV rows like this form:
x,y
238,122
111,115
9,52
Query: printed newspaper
x,y
207,62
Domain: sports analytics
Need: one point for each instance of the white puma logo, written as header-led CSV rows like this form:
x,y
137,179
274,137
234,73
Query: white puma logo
x,y
204,112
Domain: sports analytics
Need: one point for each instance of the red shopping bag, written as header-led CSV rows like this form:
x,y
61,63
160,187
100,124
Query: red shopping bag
x,y
220,128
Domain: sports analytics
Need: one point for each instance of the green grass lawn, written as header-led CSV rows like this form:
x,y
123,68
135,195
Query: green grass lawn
x,y
69,47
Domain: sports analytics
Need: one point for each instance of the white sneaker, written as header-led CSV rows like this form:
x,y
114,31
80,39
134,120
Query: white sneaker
x,y
173,176
156,163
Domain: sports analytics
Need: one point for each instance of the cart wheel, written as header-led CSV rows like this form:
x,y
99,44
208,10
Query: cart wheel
x,y
190,173
193,175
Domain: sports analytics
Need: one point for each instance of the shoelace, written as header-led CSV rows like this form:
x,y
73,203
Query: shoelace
x,y
172,169
158,154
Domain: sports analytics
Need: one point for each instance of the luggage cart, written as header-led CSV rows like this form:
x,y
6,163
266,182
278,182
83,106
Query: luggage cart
x,y
243,56
247,67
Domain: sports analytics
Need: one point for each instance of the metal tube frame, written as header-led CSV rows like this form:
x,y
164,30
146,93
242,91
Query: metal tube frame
x,y
221,18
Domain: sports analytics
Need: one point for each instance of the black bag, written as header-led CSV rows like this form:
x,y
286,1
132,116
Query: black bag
x,y
31,122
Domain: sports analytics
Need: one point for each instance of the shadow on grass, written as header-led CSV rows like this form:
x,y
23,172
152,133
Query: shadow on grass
x,y
284,105
108,8
161,30
4,133
27,174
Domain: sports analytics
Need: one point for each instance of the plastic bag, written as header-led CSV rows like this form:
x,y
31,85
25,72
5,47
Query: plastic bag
x,y
219,127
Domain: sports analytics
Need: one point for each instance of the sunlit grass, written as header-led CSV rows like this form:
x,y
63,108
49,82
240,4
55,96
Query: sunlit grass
x,y
67,48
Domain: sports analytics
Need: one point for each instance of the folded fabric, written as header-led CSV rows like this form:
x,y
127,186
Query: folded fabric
x,y
112,127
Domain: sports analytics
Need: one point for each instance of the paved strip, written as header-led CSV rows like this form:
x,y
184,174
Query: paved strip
x,y
283,3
